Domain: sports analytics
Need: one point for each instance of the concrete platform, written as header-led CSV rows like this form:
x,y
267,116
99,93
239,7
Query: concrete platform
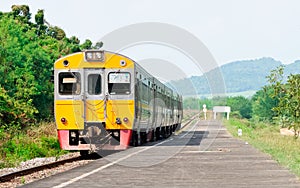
x,y
202,155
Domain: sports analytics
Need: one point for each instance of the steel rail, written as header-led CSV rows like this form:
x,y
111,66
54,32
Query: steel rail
x,y
12,175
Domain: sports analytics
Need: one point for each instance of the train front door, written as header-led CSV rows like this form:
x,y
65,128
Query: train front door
x,y
94,97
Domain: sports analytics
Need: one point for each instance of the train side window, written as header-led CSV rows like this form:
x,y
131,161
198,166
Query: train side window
x,y
94,84
69,83
119,83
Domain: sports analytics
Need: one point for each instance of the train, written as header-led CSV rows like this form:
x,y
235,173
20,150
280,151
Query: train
x,y
107,101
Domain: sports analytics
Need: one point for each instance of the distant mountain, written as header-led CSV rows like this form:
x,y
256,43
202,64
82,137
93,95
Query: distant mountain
x,y
238,76
293,68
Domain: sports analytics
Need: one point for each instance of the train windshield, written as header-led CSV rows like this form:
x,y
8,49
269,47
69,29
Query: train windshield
x,y
69,83
119,83
94,84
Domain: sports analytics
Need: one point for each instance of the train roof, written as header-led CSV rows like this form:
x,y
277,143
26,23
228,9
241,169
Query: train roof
x,y
106,59
94,59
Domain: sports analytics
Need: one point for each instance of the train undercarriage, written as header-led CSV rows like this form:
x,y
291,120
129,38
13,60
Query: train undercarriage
x,y
95,137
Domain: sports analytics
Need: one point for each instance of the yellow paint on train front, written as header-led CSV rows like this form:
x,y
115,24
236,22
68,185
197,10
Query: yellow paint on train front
x,y
95,110
119,109
72,111
111,61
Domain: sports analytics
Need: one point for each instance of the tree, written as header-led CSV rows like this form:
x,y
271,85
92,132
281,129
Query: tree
x,y
39,17
291,102
86,45
241,105
57,33
263,103
288,94
98,45
18,85
21,12
39,20
27,54
74,40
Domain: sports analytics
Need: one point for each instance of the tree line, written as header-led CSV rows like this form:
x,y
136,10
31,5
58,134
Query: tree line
x,y
277,103
27,52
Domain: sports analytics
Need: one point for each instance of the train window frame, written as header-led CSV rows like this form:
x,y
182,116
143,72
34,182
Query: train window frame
x,y
110,85
69,79
92,91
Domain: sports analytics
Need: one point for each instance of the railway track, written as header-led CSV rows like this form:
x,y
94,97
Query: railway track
x,y
188,121
10,176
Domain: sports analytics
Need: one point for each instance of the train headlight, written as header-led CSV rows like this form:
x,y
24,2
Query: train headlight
x,y
116,134
125,119
89,56
98,55
94,56
72,134
63,120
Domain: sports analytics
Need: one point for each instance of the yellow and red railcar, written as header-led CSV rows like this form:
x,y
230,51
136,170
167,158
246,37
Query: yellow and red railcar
x,y
105,100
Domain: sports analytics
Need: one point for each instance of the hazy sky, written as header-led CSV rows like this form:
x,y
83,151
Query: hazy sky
x,y
230,29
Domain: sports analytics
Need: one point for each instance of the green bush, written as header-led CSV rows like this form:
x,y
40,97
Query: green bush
x,y
26,145
27,53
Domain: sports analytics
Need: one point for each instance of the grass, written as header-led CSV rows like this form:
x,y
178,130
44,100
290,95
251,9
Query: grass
x,y
267,138
21,145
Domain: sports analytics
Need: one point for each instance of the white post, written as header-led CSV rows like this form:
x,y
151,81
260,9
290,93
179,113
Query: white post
x,y
227,115
204,110
215,115
240,132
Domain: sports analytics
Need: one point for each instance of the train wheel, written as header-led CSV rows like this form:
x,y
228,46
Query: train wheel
x,y
168,131
152,136
163,132
143,137
157,134
135,139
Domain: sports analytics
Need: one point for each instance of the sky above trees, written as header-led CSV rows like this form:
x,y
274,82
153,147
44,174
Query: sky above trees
x,y
232,30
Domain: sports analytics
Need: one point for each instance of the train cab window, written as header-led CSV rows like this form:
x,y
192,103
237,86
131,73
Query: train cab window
x,y
69,83
119,83
94,84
